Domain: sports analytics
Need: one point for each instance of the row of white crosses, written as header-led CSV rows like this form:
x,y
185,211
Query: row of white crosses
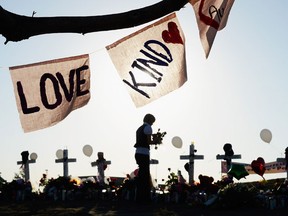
x,y
66,160
63,158
228,156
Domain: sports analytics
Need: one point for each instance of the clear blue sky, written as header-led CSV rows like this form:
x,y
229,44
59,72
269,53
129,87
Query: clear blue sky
x,y
228,98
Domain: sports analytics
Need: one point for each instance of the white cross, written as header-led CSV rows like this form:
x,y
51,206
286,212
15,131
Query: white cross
x,y
65,160
26,168
100,163
191,159
154,161
228,159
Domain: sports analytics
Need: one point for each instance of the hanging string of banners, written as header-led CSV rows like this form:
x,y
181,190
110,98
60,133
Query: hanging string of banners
x,y
151,63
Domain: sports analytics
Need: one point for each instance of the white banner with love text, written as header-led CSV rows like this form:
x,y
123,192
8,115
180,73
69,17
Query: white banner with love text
x,y
151,62
47,92
212,16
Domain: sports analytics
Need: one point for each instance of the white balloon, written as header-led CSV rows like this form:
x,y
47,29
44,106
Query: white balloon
x,y
59,153
33,156
266,135
177,142
88,150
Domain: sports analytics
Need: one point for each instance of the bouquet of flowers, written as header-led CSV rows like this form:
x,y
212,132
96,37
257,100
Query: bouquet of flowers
x,y
158,137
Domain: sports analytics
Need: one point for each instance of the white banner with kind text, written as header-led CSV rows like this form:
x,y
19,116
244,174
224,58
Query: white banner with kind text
x,y
151,62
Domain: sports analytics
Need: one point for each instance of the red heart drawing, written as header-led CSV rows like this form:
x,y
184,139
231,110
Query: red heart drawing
x,y
258,166
172,35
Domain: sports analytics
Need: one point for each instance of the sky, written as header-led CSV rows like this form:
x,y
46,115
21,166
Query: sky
x,y
240,89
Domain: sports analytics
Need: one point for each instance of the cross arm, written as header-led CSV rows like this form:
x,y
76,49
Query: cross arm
x,y
154,161
218,157
65,160
95,163
29,161
187,157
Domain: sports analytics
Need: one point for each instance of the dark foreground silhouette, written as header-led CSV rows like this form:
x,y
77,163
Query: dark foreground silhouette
x,y
92,207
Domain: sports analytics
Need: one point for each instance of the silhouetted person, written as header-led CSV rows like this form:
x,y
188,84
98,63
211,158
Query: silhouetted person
x,y
144,138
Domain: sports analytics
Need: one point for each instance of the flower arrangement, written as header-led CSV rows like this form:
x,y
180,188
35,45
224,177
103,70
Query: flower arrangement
x,y
158,138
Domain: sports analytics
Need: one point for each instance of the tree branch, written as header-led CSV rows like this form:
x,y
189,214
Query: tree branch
x,y
15,27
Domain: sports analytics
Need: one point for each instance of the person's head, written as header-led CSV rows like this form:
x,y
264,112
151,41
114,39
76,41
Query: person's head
x,y
149,119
